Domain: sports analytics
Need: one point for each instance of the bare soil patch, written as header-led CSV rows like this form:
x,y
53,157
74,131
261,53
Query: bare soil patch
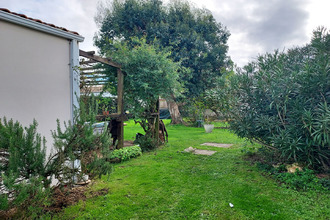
x,y
61,198
128,143
65,197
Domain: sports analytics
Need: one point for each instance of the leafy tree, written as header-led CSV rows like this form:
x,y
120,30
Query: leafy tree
x,y
222,97
193,35
284,101
149,74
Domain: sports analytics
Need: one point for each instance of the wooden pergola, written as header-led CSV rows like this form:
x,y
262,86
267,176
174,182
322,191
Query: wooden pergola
x,y
119,115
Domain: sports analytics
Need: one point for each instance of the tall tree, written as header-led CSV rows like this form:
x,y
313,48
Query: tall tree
x,y
149,74
194,36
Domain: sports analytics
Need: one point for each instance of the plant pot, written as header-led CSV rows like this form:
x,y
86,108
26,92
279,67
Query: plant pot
x,y
208,128
106,113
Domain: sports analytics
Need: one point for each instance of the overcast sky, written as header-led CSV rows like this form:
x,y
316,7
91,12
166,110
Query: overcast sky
x,y
256,26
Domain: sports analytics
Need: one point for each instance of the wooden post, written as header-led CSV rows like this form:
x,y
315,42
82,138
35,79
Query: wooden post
x,y
120,117
120,108
157,123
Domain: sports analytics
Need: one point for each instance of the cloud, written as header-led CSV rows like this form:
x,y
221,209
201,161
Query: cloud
x,y
279,22
75,15
259,26
256,26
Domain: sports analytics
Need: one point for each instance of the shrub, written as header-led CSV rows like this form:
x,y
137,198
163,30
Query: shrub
x,y
146,143
284,103
299,180
126,153
325,182
23,176
80,150
193,110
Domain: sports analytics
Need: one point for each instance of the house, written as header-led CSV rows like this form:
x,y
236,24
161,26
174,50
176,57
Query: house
x,y
38,72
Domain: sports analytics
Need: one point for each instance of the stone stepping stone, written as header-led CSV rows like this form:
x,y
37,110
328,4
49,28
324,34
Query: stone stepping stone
x,y
217,145
199,152
204,152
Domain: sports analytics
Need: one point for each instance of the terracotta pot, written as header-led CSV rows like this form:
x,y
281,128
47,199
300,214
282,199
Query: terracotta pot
x,y
106,113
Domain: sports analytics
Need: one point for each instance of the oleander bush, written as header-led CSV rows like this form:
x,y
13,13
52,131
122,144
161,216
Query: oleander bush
x,y
284,103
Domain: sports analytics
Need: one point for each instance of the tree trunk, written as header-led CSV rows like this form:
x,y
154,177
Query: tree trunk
x,y
174,111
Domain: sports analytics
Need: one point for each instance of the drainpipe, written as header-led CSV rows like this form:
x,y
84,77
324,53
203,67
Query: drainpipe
x,y
74,76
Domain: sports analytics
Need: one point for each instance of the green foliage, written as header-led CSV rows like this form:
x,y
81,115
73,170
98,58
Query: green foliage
x,y
222,97
25,175
300,180
149,74
248,149
194,111
96,166
126,153
79,141
219,99
8,129
23,172
146,143
25,147
193,36
106,104
325,182
283,103
4,202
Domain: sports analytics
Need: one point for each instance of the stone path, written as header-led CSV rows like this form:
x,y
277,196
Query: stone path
x,y
206,152
217,145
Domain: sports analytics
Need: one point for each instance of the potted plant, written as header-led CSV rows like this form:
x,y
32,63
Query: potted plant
x,y
105,112
207,125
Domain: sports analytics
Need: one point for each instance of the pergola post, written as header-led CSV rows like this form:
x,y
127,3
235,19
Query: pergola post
x,y
157,123
120,108
119,116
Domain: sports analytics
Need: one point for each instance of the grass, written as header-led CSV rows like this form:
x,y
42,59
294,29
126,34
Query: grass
x,y
169,184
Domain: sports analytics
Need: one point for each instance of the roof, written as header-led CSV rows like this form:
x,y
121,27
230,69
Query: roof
x,y
36,22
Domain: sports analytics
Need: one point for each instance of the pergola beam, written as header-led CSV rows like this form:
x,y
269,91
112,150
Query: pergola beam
x,y
92,76
91,56
88,68
85,62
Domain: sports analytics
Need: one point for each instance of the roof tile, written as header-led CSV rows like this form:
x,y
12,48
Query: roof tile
x,y
37,20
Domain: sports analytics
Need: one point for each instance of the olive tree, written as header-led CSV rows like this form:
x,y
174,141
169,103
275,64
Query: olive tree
x,y
149,73
192,35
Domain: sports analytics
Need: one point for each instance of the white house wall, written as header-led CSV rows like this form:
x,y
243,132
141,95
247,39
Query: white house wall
x,y
34,78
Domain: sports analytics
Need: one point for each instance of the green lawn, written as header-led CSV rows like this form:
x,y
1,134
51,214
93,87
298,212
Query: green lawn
x,y
168,184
